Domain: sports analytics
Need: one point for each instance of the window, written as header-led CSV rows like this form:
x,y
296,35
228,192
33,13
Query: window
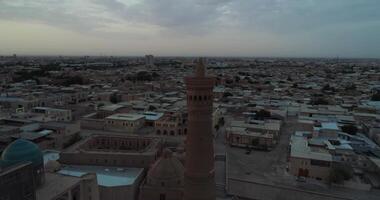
x,y
320,163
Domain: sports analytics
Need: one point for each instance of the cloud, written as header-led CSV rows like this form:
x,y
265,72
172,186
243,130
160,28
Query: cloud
x,y
299,24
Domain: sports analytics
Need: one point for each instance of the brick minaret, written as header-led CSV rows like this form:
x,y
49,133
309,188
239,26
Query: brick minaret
x,y
199,164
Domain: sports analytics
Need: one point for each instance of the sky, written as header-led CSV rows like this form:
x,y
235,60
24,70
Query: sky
x,y
285,28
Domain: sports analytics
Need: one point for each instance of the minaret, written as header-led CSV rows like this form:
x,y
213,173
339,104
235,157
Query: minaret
x,y
199,163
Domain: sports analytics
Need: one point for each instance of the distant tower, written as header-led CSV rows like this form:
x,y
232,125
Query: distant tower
x,y
149,60
199,164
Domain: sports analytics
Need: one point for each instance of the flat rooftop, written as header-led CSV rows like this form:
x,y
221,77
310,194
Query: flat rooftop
x,y
152,116
300,149
112,107
55,185
106,176
50,155
127,117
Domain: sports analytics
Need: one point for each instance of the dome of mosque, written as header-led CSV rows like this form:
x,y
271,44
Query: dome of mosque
x,y
22,150
167,171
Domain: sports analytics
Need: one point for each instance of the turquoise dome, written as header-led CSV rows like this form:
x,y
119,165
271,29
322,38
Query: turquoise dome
x,y
22,151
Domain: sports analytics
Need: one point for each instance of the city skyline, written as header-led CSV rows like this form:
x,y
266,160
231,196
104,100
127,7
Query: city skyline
x,y
275,28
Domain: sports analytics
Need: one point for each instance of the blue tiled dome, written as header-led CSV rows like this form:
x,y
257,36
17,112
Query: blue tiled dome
x,y
20,151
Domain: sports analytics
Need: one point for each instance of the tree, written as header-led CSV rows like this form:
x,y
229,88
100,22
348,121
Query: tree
x,y
376,97
340,173
216,127
262,114
227,94
229,81
320,101
350,87
73,80
114,98
74,138
152,108
255,141
221,121
350,129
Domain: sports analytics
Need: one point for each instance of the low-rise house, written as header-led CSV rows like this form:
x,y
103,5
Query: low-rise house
x,y
128,123
257,134
171,124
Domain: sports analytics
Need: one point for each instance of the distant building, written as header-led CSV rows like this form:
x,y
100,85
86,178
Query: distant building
x,y
149,60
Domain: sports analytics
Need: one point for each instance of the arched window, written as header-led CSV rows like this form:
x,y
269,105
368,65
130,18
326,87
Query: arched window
x,y
195,98
171,132
165,132
158,132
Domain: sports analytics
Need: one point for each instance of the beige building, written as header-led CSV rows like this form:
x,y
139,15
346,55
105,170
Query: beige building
x,y
115,150
69,187
258,134
53,114
128,123
114,183
171,124
308,161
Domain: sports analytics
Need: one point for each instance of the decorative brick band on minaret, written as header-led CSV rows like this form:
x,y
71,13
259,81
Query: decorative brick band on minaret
x,y
199,163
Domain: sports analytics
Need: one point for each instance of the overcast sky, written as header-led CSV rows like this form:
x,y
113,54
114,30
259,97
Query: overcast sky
x,y
296,28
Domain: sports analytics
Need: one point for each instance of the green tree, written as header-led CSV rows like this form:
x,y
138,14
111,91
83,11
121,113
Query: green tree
x,y
114,98
350,129
216,127
376,97
340,173
255,142
320,101
221,121
227,94
262,114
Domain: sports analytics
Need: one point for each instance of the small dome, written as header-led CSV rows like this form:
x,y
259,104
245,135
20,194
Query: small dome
x,y
167,171
22,150
52,166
